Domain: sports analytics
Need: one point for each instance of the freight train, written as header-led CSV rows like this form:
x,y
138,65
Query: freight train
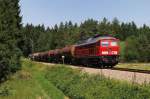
x,y
102,51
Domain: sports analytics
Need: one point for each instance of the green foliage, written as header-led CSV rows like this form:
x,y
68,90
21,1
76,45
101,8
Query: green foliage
x,y
89,28
79,85
144,44
4,91
122,51
38,38
131,49
29,83
10,24
137,48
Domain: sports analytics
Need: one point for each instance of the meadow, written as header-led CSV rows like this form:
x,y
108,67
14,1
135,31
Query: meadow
x,y
29,83
39,81
79,85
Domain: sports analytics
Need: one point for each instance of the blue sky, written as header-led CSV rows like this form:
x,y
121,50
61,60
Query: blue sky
x,y
50,12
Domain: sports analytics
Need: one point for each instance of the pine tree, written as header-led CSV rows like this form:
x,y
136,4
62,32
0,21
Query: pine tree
x,y
115,26
104,27
89,27
10,25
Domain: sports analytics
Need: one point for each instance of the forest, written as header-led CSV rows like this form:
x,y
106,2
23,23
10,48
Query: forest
x,y
133,39
18,40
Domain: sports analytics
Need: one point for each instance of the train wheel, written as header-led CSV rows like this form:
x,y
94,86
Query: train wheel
x,y
106,66
101,65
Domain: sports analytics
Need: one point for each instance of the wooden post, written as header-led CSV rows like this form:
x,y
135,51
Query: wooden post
x,y
134,78
63,59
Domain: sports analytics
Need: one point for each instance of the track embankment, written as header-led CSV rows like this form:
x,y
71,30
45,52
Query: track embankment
x,y
133,76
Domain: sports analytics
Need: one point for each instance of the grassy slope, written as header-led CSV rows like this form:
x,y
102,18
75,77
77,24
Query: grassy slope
x,y
35,81
78,85
30,83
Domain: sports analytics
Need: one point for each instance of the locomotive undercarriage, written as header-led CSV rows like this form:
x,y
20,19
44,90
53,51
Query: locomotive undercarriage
x,y
99,61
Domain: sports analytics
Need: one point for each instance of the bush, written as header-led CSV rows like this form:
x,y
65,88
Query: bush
x,y
144,47
137,48
122,51
131,51
5,91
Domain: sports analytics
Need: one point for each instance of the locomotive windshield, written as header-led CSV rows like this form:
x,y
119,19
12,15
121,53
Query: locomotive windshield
x,y
113,43
109,43
105,43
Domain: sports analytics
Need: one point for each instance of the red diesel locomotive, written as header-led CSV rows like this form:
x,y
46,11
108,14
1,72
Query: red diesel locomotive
x,y
99,51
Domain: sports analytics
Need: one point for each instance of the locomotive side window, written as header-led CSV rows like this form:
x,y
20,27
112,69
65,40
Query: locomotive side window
x,y
105,43
113,43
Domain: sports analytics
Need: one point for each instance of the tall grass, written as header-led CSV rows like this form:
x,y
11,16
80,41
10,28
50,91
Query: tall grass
x,y
30,83
79,85
37,81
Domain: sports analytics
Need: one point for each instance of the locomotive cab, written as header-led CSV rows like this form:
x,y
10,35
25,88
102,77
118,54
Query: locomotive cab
x,y
109,47
109,51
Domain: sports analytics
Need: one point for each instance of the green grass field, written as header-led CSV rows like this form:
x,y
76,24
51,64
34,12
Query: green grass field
x,y
79,85
29,83
39,81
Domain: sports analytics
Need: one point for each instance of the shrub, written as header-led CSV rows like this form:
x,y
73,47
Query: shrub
x,y
137,48
131,51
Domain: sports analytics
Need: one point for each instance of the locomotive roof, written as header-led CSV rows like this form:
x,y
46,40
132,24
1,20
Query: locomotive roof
x,y
94,39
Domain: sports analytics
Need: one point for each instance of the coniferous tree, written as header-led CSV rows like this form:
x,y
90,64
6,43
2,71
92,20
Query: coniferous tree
x,y
10,25
115,27
104,27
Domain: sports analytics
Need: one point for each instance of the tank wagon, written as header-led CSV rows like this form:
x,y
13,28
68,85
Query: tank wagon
x,y
98,51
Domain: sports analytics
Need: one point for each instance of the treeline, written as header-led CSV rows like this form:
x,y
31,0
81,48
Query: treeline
x,y
138,46
10,33
136,40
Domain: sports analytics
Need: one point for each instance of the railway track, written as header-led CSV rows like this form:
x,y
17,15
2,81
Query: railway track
x,y
116,68
132,70
119,69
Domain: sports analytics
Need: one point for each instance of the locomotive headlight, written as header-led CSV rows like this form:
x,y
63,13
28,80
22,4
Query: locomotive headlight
x,y
114,52
105,52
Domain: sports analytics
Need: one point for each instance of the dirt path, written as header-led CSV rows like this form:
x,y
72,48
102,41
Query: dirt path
x,y
132,77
